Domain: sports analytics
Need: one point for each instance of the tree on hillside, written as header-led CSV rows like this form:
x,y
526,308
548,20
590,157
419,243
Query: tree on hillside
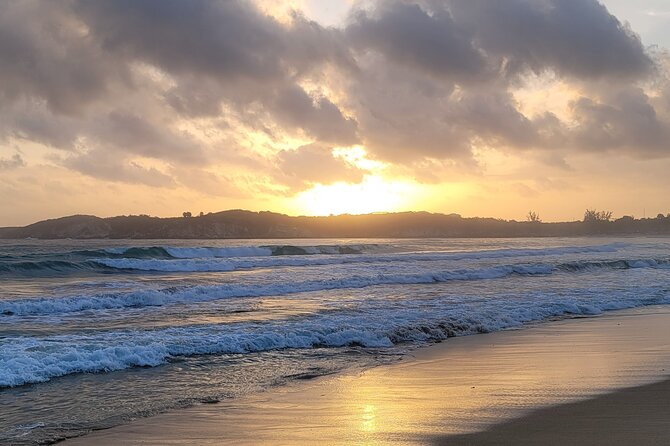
x,y
533,217
591,215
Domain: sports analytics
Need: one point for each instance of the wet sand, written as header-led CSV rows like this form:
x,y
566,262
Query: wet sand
x,y
635,416
506,388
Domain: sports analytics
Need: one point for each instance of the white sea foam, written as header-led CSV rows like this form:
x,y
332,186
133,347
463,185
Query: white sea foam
x,y
204,264
280,250
45,306
34,359
360,279
199,252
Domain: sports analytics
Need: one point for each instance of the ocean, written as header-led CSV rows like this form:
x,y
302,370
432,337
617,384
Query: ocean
x,y
96,333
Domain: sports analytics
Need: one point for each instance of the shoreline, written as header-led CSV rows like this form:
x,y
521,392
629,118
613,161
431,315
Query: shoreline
x,y
632,416
444,393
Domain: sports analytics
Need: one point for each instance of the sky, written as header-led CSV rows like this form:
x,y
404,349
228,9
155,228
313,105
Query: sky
x,y
318,107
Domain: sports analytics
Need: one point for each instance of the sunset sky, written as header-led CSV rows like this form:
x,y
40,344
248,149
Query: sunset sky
x,y
320,107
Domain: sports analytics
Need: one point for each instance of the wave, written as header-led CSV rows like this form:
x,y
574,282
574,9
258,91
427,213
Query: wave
x,y
162,252
46,267
232,264
206,293
580,266
170,252
176,259
177,265
153,252
26,360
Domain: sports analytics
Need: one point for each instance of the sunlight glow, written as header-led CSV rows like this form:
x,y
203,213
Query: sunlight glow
x,y
539,93
369,419
358,157
374,194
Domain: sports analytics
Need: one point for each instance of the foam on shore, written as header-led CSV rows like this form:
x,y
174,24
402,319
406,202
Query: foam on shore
x,y
462,386
30,359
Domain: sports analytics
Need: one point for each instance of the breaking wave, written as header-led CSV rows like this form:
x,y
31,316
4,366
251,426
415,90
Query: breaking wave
x,y
46,267
206,293
196,259
235,251
30,360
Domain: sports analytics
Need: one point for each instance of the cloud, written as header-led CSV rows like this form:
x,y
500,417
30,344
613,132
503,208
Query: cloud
x,y
239,54
577,38
101,164
192,85
233,40
46,54
33,122
12,163
211,183
319,118
621,119
134,134
436,77
406,33
313,164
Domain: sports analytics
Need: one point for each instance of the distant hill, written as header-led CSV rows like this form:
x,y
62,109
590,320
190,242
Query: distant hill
x,y
246,224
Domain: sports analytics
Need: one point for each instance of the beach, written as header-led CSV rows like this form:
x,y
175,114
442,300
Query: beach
x,y
599,380
334,222
378,341
637,415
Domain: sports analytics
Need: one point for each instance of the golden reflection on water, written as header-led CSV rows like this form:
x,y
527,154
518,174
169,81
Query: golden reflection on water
x,y
462,386
480,380
369,418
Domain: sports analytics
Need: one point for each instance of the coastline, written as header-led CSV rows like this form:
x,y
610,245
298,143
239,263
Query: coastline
x,y
242,224
468,390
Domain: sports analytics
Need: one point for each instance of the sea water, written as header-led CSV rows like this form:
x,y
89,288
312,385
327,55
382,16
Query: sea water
x,y
96,333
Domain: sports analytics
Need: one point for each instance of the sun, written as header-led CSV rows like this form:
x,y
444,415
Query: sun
x,y
373,194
